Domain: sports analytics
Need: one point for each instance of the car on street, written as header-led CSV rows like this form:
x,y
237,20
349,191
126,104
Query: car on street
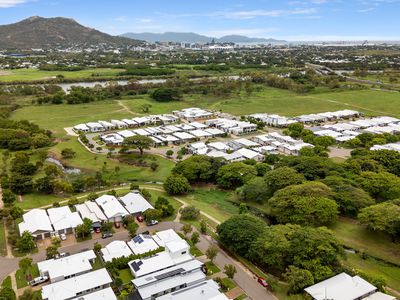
x,y
63,237
140,218
106,235
38,280
263,282
152,223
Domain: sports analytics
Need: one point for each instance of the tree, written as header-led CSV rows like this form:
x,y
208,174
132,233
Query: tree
x,y
195,238
83,230
152,215
230,271
68,153
324,141
51,252
306,204
256,190
169,153
97,247
44,185
239,232
235,174
139,142
29,295
166,94
383,217
176,185
298,279
8,197
106,227
7,293
382,186
16,212
187,228
163,204
92,197
199,168
203,226
51,170
40,140
282,177
25,264
190,212
351,199
132,229
26,242
243,209
212,252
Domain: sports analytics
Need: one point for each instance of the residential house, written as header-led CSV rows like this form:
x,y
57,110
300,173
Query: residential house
x,y
142,243
91,211
135,203
112,208
63,220
37,223
115,249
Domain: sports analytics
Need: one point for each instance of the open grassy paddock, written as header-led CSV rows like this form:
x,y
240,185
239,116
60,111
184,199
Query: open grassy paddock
x,y
36,74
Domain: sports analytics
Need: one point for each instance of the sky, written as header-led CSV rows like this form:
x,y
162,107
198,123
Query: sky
x,y
293,20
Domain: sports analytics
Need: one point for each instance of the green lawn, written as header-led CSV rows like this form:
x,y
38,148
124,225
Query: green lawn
x,y
126,276
375,268
212,268
3,246
172,201
279,101
97,264
229,283
213,202
376,244
7,282
35,74
21,278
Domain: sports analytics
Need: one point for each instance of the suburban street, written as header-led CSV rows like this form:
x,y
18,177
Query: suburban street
x,y
244,278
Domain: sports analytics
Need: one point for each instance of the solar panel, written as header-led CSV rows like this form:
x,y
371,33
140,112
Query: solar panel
x,y
135,266
169,274
138,239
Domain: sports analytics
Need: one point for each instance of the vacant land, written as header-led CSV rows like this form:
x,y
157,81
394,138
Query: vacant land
x,y
35,74
282,102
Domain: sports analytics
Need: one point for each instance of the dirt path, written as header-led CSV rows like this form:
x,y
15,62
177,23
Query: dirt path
x,y
126,108
8,246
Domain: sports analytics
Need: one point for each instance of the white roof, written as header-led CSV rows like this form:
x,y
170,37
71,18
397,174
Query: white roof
x,y
198,145
142,243
106,124
67,266
219,146
35,221
94,125
216,153
129,121
328,132
341,287
235,156
135,203
141,120
183,135
249,154
106,294
200,133
82,127
214,131
126,133
118,122
185,126
198,125
91,211
63,218
206,290
141,131
247,143
165,236
111,206
186,273
115,249
70,288
379,296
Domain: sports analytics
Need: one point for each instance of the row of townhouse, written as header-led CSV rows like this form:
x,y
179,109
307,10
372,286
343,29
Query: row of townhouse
x,y
171,274
61,220
165,135
346,131
73,277
232,126
280,121
101,126
391,146
193,114
253,148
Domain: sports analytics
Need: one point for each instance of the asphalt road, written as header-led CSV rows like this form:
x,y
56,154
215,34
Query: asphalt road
x,y
244,278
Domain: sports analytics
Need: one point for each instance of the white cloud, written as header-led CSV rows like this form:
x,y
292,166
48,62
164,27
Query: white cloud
x,y
251,14
11,3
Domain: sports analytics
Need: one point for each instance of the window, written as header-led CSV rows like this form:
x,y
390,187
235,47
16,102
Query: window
x,y
184,252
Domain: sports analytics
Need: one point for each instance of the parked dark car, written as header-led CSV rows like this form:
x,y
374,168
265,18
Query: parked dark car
x,y
106,235
140,218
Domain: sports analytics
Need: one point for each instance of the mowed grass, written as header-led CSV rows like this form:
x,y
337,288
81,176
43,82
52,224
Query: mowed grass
x,y
279,101
20,276
376,244
213,202
57,117
375,269
35,74
3,246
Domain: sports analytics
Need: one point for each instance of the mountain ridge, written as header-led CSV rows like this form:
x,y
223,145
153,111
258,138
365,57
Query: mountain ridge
x,y
39,32
191,37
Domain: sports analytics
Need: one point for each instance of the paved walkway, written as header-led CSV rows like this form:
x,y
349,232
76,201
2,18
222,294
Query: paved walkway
x,y
70,131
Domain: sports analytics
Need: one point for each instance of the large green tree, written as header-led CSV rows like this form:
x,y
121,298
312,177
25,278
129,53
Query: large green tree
x,y
139,142
176,185
235,174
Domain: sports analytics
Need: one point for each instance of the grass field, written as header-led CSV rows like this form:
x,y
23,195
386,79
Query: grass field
x,y
282,102
3,247
375,268
125,276
213,202
21,278
7,282
352,235
35,74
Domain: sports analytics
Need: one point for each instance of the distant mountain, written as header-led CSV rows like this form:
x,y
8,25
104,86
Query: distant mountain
x,y
38,32
190,37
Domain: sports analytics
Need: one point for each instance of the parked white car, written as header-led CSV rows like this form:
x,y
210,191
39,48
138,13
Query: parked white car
x,y
63,237
38,280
